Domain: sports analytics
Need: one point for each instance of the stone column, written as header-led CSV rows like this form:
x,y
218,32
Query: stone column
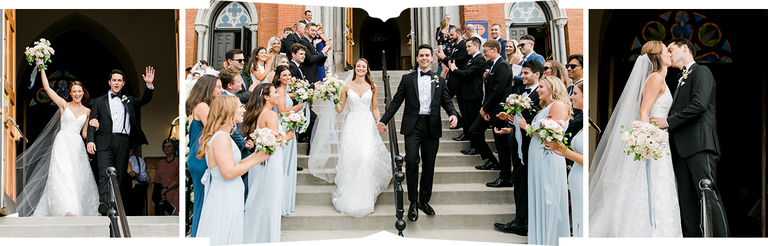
x,y
202,40
560,24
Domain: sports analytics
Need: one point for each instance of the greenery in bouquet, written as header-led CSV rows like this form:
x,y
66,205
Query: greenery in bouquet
x,y
516,103
293,120
41,51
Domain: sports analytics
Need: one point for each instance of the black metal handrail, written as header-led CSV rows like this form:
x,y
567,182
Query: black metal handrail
x,y
706,207
397,159
116,209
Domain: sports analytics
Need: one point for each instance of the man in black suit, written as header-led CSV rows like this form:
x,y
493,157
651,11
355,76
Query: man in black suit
x,y
285,49
531,74
298,53
495,93
693,139
471,78
236,60
424,93
119,131
293,38
296,66
313,58
307,17
496,35
230,80
458,54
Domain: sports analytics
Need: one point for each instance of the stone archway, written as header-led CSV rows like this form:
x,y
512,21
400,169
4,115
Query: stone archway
x,y
205,31
542,19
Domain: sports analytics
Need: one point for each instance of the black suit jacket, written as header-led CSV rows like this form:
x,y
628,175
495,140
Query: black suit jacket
x,y
101,112
460,56
286,45
311,61
295,71
496,88
408,91
527,114
471,77
692,118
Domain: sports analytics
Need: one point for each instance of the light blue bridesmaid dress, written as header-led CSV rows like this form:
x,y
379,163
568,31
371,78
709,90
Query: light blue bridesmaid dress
x,y
264,204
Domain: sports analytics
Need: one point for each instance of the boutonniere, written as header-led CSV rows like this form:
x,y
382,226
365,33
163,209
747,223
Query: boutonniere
x,y
435,79
125,99
685,76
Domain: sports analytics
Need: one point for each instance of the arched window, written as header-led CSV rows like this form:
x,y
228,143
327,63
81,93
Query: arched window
x,y
233,15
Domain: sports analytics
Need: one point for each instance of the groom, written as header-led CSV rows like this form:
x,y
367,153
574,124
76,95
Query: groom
x,y
693,139
119,131
424,93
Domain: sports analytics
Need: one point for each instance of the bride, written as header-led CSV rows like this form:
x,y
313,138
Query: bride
x,y
629,198
363,165
70,189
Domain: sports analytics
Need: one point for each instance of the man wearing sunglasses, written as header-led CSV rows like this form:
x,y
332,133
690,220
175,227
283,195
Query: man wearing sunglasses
x,y
526,47
236,59
575,70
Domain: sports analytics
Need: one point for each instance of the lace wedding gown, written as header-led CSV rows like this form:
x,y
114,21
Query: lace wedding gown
x,y
629,210
70,187
363,169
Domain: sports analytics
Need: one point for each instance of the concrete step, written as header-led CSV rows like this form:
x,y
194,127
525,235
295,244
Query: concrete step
x,y
476,193
446,146
482,235
471,217
86,226
443,175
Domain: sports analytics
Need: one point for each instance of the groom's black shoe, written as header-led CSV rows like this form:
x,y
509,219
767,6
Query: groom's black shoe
x,y
424,206
103,208
413,212
461,137
500,183
489,165
470,151
511,227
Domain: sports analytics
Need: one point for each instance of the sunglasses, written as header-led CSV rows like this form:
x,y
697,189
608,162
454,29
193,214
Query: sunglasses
x,y
571,66
547,68
521,45
239,60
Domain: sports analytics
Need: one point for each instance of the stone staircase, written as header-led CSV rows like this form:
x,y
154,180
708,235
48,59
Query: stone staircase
x,y
86,226
465,208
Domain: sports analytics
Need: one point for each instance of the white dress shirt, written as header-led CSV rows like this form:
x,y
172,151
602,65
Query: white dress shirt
x,y
120,118
425,93
139,166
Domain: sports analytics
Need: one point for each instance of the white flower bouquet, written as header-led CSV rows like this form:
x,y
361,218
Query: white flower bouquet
x,y
516,103
267,140
300,88
41,51
644,140
293,120
330,87
548,130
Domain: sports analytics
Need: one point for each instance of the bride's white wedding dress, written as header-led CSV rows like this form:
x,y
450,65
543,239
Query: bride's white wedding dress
x,y
70,186
622,204
363,169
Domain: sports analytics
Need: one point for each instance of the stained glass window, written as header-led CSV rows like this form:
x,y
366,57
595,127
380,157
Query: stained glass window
x,y
233,15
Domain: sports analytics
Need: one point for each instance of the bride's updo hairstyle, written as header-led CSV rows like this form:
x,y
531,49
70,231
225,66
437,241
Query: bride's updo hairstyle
x,y
222,113
558,93
255,105
368,77
653,49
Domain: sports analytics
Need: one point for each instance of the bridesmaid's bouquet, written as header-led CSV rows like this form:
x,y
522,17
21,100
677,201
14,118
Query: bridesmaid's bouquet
x,y
330,88
300,88
41,51
516,103
293,120
548,130
267,140
644,140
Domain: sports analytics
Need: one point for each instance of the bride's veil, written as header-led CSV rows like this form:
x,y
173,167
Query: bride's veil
x,y
325,139
32,168
609,156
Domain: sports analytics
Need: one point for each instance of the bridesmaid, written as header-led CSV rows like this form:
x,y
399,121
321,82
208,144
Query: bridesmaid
x,y
278,60
265,194
222,216
290,156
258,65
205,90
576,177
547,181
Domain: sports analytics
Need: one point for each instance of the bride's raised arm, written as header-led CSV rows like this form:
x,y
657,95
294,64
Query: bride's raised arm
x,y
343,98
51,93
654,87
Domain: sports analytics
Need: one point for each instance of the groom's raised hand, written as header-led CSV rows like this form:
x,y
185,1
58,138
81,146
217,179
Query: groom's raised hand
x,y
149,76
660,122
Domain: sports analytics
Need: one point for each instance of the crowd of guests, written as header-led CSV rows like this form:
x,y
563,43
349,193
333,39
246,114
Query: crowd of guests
x,y
481,74
235,200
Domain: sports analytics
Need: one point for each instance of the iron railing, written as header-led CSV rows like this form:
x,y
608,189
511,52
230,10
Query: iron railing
x,y
116,208
397,159
706,207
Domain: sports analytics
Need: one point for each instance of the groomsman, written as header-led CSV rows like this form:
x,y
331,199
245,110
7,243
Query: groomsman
x,y
499,78
526,47
423,93
496,35
532,71
307,17
313,58
236,60
471,78
298,53
292,38
575,71
460,57
231,83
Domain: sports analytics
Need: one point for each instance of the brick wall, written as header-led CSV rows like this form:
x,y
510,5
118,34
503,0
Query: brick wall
x,y
493,13
190,37
575,29
276,17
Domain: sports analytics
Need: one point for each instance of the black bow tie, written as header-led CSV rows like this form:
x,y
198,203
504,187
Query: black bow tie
x,y
115,95
427,73
528,90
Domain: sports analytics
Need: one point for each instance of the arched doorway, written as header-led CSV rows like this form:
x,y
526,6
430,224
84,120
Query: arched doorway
x,y
723,46
531,18
376,35
230,26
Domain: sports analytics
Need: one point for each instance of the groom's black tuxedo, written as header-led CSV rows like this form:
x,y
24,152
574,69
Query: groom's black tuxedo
x,y
695,149
421,131
111,148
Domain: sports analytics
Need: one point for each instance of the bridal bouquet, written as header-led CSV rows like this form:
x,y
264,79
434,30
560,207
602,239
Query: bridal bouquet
x,y
548,130
516,103
330,88
293,120
644,140
41,51
267,140
302,91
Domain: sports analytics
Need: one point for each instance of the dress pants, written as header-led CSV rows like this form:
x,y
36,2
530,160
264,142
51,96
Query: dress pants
x,y
420,140
115,155
689,171
477,136
470,109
